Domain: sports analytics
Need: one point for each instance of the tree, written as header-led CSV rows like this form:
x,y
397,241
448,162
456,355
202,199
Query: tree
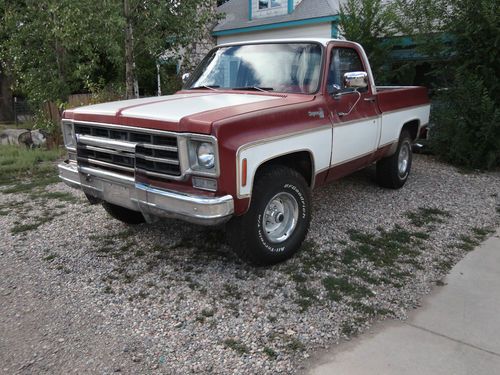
x,y
370,23
155,27
53,47
58,47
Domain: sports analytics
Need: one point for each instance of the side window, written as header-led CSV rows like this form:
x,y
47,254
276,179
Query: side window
x,y
343,60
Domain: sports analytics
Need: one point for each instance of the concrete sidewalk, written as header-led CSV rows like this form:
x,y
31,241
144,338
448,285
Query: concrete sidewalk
x,y
457,331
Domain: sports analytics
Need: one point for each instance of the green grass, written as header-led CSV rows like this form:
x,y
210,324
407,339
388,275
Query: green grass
x,y
307,297
236,345
45,218
384,248
337,287
20,162
61,196
426,216
295,345
270,353
51,257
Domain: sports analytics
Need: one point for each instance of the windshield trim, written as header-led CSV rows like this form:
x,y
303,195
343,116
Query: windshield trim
x,y
187,85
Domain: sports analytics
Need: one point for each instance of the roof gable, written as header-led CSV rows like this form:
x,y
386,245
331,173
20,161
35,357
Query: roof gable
x,y
237,14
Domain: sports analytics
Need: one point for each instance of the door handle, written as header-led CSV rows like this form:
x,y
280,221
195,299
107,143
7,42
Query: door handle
x,y
371,99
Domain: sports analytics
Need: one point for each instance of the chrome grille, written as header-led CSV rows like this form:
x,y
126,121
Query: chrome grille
x,y
125,151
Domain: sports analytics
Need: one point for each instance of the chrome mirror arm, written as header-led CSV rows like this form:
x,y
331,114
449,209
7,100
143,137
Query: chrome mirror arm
x,y
341,114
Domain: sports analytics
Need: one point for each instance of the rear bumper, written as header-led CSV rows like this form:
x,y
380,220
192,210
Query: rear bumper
x,y
152,202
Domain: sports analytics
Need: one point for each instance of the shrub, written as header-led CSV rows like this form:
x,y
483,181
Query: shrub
x,y
51,128
467,124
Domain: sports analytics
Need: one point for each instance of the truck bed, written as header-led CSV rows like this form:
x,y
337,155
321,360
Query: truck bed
x,y
392,98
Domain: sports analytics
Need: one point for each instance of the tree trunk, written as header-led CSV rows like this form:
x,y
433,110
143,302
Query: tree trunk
x,y
130,78
6,113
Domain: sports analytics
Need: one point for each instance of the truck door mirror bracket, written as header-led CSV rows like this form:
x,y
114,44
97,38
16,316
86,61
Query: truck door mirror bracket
x,y
341,114
335,91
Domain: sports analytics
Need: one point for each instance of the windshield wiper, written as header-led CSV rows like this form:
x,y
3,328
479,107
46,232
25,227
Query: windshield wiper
x,y
255,88
210,87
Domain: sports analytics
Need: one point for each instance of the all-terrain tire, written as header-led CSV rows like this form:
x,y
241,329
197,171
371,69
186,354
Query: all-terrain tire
x,y
393,171
123,214
277,221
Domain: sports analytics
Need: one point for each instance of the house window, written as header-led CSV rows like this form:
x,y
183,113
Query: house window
x,y
266,4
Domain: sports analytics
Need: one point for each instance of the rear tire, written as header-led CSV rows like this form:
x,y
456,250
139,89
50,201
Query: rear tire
x,y
277,221
393,171
123,214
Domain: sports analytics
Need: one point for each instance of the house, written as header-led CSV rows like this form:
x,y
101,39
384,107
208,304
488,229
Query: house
x,y
272,19
245,20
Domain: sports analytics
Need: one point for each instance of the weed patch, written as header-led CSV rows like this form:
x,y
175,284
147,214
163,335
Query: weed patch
x,y
270,353
426,216
236,345
383,249
337,287
50,257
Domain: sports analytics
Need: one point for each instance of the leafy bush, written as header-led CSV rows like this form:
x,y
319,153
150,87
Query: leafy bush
x,y
51,128
467,124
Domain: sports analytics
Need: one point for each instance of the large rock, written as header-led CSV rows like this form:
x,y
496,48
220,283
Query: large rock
x,y
16,137
34,138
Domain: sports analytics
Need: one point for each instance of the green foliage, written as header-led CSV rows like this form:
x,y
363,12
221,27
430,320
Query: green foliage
x,y
466,114
105,92
467,124
475,26
42,122
370,23
50,47
462,38
54,48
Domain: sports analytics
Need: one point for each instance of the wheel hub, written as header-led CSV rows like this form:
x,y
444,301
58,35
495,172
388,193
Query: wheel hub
x,y
280,217
403,159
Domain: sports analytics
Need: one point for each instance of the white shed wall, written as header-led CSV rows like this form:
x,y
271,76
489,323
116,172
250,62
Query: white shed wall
x,y
321,30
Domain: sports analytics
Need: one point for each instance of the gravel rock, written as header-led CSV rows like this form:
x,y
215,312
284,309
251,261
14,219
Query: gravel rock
x,y
92,295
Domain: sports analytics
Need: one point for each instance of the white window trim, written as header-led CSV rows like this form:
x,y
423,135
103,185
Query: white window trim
x,y
269,5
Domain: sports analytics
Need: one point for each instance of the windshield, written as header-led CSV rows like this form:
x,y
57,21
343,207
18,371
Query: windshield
x,y
280,67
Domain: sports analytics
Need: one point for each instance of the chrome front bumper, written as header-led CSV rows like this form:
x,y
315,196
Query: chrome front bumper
x,y
152,202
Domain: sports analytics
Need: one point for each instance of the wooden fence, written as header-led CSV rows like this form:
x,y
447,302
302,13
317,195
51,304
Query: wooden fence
x,y
54,113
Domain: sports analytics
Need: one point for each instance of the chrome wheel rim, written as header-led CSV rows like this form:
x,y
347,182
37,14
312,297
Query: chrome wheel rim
x,y
404,159
280,217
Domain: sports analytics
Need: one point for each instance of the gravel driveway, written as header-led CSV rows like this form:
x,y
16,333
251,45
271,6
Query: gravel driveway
x,y
82,292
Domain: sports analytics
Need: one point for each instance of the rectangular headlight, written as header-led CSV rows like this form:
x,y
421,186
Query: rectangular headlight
x,y
203,158
68,132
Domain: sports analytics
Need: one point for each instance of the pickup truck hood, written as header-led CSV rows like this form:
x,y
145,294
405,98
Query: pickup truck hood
x,y
184,112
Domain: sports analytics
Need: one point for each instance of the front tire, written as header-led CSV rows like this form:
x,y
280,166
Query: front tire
x,y
277,221
393,171
123,214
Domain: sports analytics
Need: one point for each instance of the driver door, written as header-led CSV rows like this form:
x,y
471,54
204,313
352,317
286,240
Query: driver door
x,y
355,114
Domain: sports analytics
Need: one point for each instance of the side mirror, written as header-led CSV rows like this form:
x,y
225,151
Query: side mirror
x,y
185,77
356,80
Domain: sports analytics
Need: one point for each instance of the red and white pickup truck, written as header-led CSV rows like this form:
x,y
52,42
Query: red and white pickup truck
x,y
257,126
